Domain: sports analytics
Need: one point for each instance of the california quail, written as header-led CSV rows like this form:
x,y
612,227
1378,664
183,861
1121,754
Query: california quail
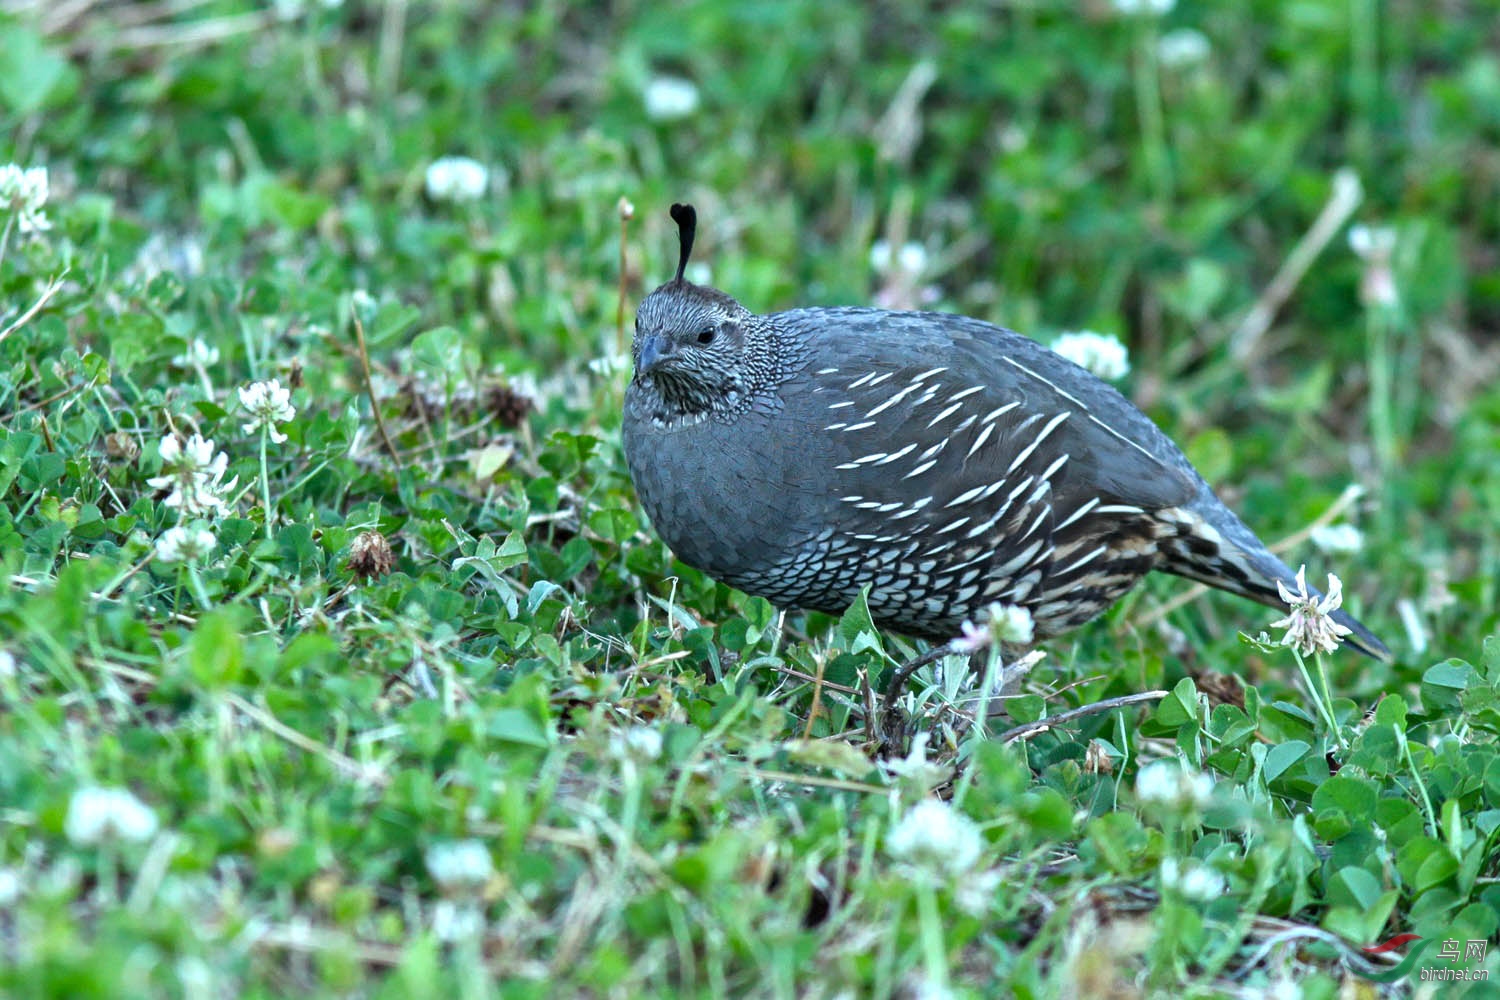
x,y
942,461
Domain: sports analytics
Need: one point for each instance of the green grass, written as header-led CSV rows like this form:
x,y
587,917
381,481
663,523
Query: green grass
x,y
676,788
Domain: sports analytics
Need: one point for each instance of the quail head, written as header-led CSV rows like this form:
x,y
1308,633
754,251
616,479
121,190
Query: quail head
x,y
943,462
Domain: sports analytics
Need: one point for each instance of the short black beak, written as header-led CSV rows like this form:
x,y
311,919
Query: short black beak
x,y
654,347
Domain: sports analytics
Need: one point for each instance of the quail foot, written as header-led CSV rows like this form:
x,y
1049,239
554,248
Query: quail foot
x,y
942,462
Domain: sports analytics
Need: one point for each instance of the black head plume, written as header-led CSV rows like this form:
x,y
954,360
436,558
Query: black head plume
x,y
687,228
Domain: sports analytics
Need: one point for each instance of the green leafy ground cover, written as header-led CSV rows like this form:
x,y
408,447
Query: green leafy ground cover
x,y
536,757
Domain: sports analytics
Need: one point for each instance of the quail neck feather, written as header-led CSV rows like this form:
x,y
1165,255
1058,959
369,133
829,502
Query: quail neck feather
x,y
943,462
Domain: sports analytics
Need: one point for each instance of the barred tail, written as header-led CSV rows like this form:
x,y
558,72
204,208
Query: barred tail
x,y
1241,565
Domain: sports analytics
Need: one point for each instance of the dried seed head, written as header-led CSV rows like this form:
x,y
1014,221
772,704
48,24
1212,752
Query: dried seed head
x,y
370,556
508,406
121,447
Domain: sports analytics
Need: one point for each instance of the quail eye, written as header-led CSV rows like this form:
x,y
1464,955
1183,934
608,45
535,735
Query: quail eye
x,y
706,336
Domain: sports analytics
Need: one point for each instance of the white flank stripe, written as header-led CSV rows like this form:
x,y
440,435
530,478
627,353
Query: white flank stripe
x,y
861,380
1082,510
840,406
991,416
1092,555
967,392
826,371
965,496
1119,508
1042,436
834,427
984,435
898,397
946,413
929,373
880,378
1061,461
919,469
942,443
1041,516
897,454
1022,558
859,426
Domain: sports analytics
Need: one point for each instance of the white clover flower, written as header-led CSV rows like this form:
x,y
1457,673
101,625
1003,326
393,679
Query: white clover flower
x,y
1152,7
639,744
1375,246
668,98
1100,353
1202,883
1370,242
975,893
268,404
199,354
915,770
1310,627
1182,47
1193,880
460,865
1338,539
1169,784
457,178
935,838
1007,624
182,544
97,814
910,259
195,474
24,192
456,920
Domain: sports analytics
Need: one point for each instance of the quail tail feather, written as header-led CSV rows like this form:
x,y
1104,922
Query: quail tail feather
x,y
1232,558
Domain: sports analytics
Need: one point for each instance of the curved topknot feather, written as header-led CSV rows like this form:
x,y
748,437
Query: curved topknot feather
x,y
686,218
